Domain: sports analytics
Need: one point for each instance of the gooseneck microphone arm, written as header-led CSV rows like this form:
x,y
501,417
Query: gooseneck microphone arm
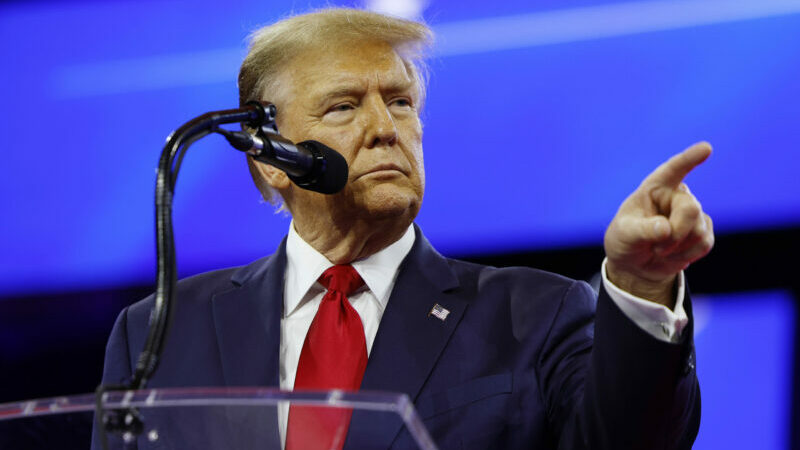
x,y
254,115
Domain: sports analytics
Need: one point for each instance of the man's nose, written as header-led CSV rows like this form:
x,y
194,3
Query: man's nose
x,y
380,128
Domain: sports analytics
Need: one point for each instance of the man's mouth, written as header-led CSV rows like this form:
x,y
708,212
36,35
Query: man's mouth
x,y
383,170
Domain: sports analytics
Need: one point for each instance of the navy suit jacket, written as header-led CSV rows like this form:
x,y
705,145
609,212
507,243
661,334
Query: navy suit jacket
x,y
525,359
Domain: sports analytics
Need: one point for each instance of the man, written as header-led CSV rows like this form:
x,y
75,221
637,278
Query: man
x,y
492,358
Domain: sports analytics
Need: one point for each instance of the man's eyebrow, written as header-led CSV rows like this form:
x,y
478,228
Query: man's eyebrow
x,y
397,85
356,89
339,90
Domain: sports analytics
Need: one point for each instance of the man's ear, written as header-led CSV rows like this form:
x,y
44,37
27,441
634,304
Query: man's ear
x,y
272,176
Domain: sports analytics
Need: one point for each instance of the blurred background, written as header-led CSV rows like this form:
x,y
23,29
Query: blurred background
x,y
541,118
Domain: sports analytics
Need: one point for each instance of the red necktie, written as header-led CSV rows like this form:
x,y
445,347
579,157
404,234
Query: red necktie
x,y
334,356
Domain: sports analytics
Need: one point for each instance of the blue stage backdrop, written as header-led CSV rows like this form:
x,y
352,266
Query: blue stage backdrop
x,y
540,120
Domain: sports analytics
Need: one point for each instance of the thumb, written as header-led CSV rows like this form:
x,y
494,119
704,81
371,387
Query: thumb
x,y
635,230
655,228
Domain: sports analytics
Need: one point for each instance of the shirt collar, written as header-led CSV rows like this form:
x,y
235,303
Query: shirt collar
x,y
305,264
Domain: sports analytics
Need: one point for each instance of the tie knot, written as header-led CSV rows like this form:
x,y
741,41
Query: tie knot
x,y
341,278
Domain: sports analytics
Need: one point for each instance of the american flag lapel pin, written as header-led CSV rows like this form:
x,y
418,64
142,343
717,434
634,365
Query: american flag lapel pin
x,y
439,312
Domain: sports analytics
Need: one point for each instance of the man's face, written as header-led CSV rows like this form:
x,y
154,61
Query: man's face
x,y
361,100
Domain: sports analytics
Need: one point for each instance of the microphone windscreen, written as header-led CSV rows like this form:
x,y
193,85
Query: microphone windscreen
x,y
332,175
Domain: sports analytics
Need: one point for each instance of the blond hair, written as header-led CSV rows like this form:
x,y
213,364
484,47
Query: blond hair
x,y
273,47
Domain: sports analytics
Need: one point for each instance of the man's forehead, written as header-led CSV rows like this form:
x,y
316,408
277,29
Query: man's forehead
x,y
338,67
344,83
347,51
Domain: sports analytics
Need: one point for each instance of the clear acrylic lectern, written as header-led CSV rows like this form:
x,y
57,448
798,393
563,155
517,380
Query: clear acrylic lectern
x,y
206,418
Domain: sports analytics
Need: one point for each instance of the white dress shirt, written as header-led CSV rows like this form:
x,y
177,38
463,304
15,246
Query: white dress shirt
x,y
303,294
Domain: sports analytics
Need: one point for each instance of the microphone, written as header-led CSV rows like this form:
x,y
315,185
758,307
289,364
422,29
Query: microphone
x,y
309,164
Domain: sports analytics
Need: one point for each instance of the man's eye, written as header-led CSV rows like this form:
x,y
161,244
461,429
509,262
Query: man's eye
x,y
401,102
341,107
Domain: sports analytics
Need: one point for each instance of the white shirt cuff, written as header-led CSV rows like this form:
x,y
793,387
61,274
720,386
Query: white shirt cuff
x,y
656,319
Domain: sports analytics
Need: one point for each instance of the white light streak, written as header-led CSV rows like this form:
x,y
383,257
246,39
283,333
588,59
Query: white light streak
x,y
407,9
454,38
597,22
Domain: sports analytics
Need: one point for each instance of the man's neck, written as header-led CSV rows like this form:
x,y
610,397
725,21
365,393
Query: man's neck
x,y
343,244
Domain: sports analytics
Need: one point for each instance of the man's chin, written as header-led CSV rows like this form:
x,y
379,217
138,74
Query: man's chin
x,y
391,207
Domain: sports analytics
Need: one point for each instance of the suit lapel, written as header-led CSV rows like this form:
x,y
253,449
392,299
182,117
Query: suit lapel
x,y
247,319
409,339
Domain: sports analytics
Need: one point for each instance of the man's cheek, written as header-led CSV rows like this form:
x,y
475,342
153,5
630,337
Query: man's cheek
x,y
344,143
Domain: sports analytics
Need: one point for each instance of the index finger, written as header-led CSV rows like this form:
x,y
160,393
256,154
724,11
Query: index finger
x,y
672,172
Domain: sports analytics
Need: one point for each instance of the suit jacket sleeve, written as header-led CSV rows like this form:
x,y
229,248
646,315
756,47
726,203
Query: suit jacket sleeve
x,y
625,389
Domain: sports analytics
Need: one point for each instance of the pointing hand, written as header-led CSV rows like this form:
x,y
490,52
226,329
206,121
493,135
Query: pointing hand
x,y
659,230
